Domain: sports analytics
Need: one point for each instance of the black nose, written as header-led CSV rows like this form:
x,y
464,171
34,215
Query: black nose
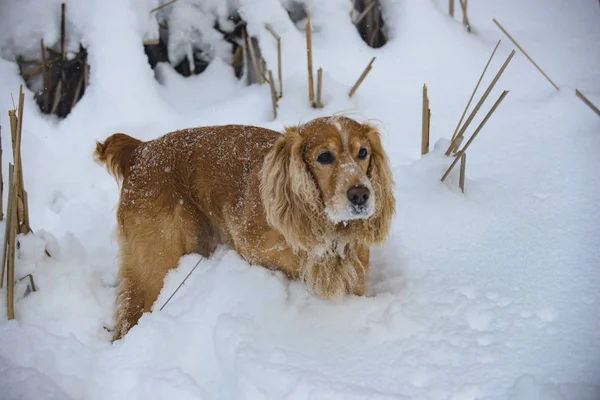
x,y
358,195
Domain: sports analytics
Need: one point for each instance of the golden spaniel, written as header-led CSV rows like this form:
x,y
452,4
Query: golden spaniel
x,y
309,203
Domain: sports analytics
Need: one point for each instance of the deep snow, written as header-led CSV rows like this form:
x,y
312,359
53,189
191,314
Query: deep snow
x,y
493,294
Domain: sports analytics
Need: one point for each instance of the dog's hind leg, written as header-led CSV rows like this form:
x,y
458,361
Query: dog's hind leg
x,y
149,248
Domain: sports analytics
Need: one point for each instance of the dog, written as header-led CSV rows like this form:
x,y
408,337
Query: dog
x,y
310,202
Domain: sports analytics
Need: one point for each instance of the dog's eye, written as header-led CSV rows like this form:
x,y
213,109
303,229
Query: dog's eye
x,y
325,157
362,153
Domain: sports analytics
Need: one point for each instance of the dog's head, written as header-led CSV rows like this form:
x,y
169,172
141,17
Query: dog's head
x,y
328,176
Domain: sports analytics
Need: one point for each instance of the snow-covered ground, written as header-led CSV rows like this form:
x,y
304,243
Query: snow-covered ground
x,y
494,294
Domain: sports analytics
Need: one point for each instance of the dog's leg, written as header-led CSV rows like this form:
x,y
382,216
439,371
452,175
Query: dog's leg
x,y
362,270
130,305
150,247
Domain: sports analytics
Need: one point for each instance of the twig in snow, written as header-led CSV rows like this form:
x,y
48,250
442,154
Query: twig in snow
x,y
473,94
426,115
1,181
311,83
376,20
525,53
26,210
77,92
479,104
587,102
237,56
318,102
273,94
180,285
23,226
451,8
86,72
46,77
361,78
168,3
63,34
465,20
485,119
255,62
364,13
279,73
31,281
57,97
10,268
245,56
8,224
463,166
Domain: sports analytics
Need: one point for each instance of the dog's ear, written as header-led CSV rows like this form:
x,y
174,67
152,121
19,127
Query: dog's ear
x,y
289,194
383,185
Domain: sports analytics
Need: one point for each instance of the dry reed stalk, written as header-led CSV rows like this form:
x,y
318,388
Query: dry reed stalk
x,y
255,63
16,159
1,180
151,42
18,164
474,135
20,115
265,78
16,125
279,73
237,55
45,77
263,69
180,285
465,20
587,102
463,166
425,123
245,56
63,33
309,60
361,78
32,72
451,8
23,222
57,97
273,94
480,103
26,211
77,92
8,223
525,53
364,13
377,24
10,268
474,91
31,281
458,143
168,3
318,102
86,73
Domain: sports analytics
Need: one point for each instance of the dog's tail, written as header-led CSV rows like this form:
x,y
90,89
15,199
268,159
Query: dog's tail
x,y
116,153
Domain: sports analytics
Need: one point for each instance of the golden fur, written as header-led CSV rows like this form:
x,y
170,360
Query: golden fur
x,y
256,190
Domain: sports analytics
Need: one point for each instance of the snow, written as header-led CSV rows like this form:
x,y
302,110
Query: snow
x,y
491,294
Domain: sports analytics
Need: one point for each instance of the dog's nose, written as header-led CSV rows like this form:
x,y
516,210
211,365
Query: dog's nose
x,y
358,195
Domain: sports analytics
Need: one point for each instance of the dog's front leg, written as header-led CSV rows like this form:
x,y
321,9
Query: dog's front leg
x,y
362,269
